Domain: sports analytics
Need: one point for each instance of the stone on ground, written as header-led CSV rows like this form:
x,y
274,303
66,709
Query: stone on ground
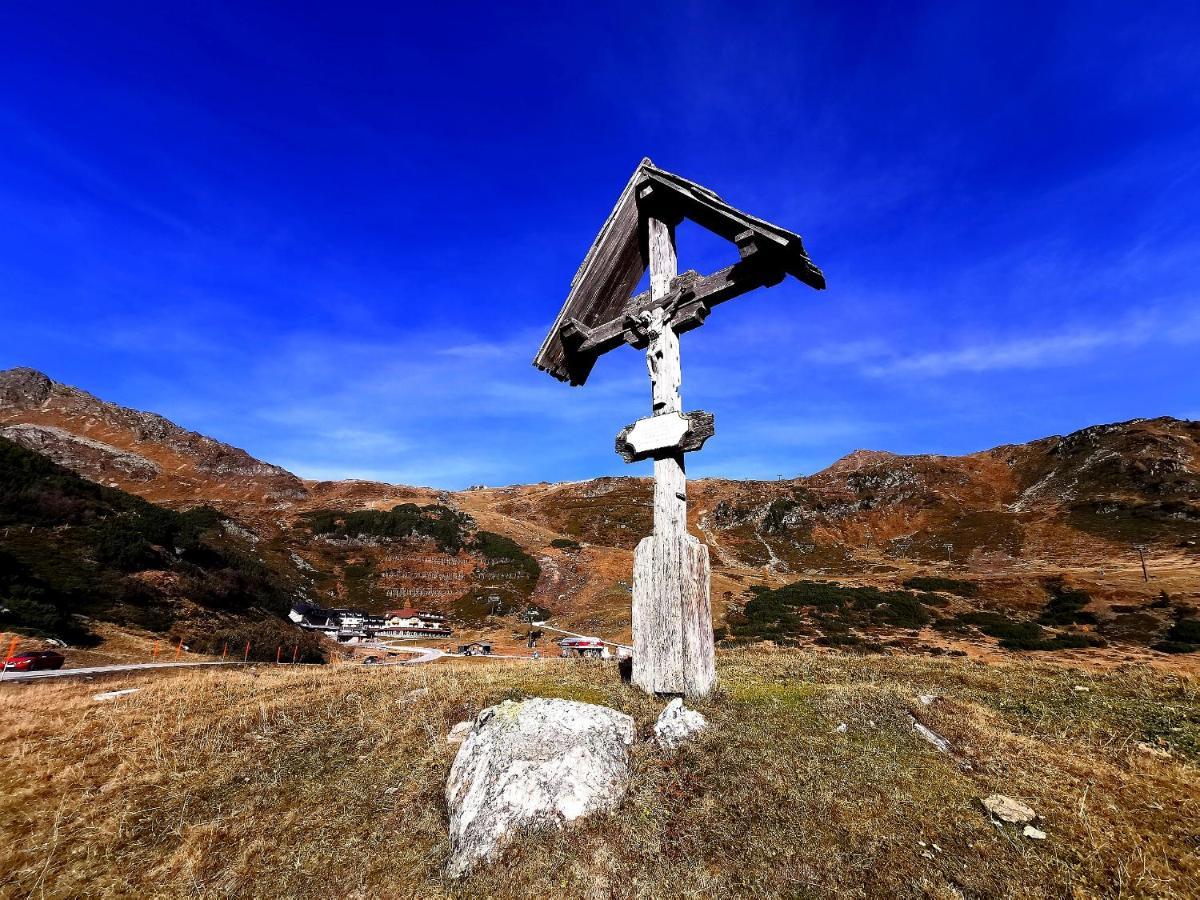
x,y
1006,809
931,736
533,764
459,732
677,724
1034,833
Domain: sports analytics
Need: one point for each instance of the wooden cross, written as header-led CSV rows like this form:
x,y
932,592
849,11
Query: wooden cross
x,y
673,649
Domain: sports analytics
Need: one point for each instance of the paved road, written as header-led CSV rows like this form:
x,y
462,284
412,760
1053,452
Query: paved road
x,y
104,670
424,654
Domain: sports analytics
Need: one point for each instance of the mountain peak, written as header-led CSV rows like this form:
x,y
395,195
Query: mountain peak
x,y
133,449
861,459
24,388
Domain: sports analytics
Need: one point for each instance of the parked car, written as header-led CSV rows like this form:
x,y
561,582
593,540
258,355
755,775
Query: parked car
x,y
34,660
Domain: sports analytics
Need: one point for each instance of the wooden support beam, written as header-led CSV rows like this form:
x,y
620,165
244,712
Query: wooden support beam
x,y
574,333
673,649
692,297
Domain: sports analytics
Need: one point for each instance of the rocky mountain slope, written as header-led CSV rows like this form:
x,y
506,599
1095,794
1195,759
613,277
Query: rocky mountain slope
x,y
74,554
1020,523
122,447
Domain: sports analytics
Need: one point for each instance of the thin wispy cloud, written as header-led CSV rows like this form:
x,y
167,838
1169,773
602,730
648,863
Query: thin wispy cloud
x,y
1066,347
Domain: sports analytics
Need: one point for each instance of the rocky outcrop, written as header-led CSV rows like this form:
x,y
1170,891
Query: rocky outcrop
x,y
533,764
23,388
81,454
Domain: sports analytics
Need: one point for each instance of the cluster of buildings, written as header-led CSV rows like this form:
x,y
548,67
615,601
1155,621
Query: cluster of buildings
x,y
353,625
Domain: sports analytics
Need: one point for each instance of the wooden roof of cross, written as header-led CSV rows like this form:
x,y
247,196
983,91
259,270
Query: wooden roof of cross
x,y
599,313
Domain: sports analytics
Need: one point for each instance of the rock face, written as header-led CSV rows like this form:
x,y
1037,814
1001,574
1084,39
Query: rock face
x,y
81,454
534,764
677,724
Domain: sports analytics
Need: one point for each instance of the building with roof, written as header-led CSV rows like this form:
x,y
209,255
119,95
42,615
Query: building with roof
x,y
416,623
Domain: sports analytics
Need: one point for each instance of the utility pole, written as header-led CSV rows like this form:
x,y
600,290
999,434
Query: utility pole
x,y
949,548
1141,552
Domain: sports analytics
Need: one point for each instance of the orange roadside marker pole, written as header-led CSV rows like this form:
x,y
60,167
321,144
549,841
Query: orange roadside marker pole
x,y
278,650
179,650
224,651
246,655
154,652
295,650
12,649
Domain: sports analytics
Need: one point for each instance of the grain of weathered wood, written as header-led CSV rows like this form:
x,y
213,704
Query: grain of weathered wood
x,y
599,295
608,274
673,648
709,211
692,294
672,619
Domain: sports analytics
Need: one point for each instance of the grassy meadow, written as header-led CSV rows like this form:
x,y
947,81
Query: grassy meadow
x,y
328,781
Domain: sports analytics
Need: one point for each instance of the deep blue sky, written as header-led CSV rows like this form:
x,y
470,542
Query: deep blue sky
x,y
334,234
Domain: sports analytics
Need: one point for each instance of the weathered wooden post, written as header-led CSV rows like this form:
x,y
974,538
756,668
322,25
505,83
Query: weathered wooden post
x,y
672,617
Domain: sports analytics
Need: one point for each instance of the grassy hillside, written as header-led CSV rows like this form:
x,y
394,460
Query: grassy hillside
x,y
316,783
72,550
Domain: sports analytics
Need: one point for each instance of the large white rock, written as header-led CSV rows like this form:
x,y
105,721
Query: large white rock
x,y
677,724
534,764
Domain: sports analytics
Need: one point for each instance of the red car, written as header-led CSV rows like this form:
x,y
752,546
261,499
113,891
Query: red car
x,y
34,659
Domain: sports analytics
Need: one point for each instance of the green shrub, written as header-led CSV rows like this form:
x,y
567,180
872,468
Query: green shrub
x,y
1015,634
1065,606
448,527
265,637
1003,627
1175,647
1185,631
1068,641
780,613
75,543
565,544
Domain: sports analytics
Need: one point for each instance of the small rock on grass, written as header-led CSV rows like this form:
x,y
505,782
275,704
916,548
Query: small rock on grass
x,y
459,733
1035,833
1006,809
931,736
677,724
1152,750
112,695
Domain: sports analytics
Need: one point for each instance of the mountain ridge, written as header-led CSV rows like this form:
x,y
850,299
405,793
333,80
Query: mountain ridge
x,y
1020,521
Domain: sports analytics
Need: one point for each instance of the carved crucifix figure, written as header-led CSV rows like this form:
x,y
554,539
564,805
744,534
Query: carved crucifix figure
x,y
673,650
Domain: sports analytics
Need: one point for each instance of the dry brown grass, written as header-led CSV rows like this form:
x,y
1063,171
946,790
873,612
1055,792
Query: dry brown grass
x,y
298,782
